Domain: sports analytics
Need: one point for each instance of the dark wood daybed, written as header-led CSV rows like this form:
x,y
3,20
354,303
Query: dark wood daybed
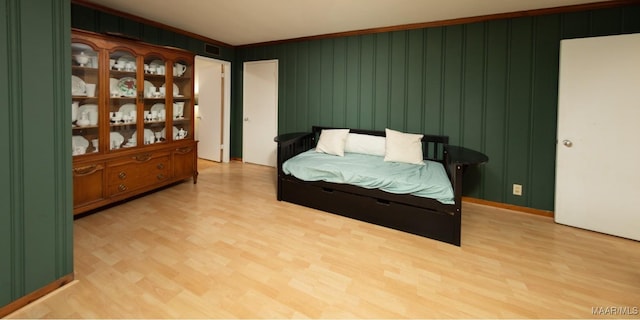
x,y
422,216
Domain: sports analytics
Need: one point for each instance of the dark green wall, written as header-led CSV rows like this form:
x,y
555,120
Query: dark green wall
x,y
36,227
490,86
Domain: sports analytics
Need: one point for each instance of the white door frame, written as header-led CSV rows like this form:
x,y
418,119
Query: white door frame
x,y
226,119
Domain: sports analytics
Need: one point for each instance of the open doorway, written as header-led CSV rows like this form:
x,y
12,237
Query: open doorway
x,y
213,108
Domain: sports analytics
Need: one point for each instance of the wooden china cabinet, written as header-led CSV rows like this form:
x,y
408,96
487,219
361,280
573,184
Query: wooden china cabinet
x,y
132,118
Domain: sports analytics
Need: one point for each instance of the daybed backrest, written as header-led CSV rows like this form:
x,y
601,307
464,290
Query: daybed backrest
x,y
432,145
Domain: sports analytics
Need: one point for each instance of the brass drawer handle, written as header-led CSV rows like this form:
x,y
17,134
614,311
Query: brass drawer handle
x,y
184,150
160,166
142,157
160,176
86,170
122,187
122,175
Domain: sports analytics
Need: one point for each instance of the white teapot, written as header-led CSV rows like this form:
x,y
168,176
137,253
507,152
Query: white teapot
x,y
179,69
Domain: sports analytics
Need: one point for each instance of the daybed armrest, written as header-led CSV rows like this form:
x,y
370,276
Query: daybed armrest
x,y
292,144
457,159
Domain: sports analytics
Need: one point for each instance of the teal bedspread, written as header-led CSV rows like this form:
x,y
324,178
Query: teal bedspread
x,y
372,172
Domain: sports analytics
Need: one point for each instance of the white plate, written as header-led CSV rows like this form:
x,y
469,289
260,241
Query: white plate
x,y
127,86
176,91
78,87
117,139
178,110
157,107
147,85
127,108
127,58
87,107
79,141
147,134
164,135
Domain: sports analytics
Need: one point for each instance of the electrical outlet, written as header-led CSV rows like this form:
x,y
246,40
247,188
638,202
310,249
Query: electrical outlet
x,y
517,189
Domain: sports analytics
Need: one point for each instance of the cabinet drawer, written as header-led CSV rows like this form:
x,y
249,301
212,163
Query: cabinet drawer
x,y
87,183
133,175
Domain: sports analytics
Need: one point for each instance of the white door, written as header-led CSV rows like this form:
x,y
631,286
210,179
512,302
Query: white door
x,y
597,180
260,112
212,122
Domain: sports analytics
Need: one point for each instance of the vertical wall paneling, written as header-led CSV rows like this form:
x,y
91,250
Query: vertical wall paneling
x,y
326,83
36,149
382,76
367,78
452,82
37,113
630,21
472,104
606,21
473,93
315,81
519,105
352,87
339,101
542,153
497,48
415,81
433,74
397,80
9,198
302,82
575,24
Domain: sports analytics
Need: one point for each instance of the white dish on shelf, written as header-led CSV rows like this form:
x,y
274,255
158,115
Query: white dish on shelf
x,y
176,91
147,85
127,87
86,108
127,108
116,140
164,134
157,107
79,145
78,87
126,58
79,141
148,133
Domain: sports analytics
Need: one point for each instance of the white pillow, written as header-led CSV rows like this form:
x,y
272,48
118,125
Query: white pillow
x,y
332,141
366,144
403,147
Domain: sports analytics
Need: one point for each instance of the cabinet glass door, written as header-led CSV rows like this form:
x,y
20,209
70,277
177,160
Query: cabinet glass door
x,y
84,99
122,108
182,100
155,93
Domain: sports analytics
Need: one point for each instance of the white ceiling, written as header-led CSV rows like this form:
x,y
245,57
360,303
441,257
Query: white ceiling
x,y
239,22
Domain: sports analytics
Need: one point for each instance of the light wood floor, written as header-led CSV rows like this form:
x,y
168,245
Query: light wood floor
x,y
225,248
